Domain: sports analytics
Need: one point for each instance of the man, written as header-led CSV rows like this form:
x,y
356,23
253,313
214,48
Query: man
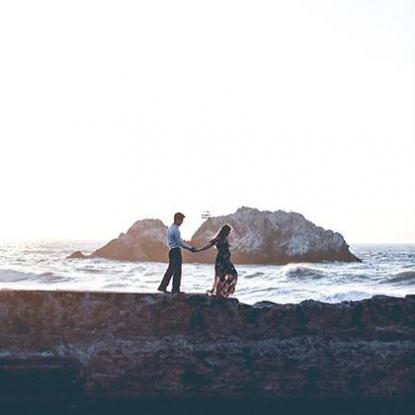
x,y
175,244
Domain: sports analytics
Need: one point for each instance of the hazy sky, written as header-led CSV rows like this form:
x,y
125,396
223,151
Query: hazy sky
x,y
112,111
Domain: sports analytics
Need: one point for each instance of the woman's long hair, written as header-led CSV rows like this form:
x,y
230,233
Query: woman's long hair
x,y
223,232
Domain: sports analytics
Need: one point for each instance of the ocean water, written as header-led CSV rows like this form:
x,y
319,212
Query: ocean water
x,y
386,269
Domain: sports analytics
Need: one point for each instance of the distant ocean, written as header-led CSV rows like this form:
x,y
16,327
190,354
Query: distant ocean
x,y
386,269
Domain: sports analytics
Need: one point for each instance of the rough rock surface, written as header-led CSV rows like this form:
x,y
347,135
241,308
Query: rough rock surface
x,y
264,237
131,344
258,237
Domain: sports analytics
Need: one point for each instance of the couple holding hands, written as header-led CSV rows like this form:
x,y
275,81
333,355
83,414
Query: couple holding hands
x,y
225,272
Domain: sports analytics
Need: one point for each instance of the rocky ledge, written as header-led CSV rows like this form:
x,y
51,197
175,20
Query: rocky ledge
x,y
194,346
258,237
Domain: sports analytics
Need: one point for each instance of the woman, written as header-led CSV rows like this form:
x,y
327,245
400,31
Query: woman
x,y
225,273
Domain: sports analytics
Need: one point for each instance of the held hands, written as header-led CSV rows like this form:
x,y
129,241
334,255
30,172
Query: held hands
x,y
202,248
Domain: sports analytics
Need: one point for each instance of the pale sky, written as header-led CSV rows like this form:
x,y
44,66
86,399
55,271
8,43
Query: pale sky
x,y
113,111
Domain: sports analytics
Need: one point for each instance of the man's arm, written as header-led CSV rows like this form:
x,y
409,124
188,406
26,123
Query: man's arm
x,y
180,242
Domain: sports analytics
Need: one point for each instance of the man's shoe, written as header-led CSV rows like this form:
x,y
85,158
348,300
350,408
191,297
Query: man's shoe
x,y
178,292
163,290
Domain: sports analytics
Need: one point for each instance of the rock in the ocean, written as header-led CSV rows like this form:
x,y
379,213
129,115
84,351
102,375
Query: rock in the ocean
x,y
77,255
258,237
144,241
195,346
264,237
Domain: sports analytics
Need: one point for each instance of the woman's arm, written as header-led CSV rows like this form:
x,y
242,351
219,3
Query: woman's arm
x,y
206,246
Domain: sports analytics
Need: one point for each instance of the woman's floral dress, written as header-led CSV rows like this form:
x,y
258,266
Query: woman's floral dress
x,y
226,275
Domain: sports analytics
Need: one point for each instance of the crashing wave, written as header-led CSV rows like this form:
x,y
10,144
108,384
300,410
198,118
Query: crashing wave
x,y
11,275
303,272
407,277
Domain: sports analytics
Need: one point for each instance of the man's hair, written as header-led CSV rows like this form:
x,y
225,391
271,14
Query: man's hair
x,y
178,215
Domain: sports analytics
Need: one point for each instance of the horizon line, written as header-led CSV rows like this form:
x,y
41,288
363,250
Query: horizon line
x,y
92,240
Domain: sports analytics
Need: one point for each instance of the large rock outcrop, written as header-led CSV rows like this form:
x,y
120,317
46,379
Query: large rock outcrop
x,y
143,345
144,241
258,237
264,237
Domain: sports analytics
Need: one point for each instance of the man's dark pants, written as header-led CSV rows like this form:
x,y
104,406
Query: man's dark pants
x,y
174,269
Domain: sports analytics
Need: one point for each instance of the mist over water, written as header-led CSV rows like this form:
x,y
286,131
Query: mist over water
x,y
386,269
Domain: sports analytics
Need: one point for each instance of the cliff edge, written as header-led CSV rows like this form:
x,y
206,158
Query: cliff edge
x,y
155,345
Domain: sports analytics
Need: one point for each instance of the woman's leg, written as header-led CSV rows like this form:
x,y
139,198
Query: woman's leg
x,y
212,291
215,284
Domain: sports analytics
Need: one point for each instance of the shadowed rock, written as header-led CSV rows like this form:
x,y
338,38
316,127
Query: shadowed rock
x,y
258,237
144,241
77,255
141,345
